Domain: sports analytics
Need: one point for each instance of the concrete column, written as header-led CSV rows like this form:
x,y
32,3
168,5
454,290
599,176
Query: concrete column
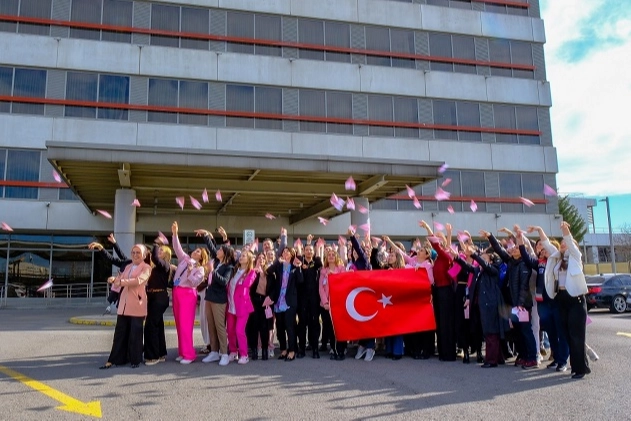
x,y
358,218
125,219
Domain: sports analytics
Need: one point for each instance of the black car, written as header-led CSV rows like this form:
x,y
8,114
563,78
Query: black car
x,y
612,293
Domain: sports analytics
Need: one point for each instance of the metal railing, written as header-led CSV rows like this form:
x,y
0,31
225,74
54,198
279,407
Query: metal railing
x,y
61,294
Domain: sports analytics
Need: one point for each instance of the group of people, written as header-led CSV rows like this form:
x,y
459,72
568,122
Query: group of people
x,y
508,295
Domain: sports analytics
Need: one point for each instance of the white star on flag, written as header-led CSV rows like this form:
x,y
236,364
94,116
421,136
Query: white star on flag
x,y
385,300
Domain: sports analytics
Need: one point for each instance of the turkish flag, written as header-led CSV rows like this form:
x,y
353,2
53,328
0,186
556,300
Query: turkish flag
x,y
379,303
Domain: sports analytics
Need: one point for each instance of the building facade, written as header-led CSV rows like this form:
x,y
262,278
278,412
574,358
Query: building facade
x,y
269,107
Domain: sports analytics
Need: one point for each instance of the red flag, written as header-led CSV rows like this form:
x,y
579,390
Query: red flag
x,y
374,304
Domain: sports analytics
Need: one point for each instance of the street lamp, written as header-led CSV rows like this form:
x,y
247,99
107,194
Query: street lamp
x,y
613,255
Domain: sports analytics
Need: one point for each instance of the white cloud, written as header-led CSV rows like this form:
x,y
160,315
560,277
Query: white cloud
x,y
591,118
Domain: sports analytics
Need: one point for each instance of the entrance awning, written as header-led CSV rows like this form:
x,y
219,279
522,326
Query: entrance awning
x,y
251,184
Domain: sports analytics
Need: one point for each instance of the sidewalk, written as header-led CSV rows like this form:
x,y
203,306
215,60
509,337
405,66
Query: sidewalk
x,y
110,319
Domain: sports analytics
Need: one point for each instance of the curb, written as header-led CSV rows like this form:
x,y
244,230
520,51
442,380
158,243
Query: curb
x,y
93,322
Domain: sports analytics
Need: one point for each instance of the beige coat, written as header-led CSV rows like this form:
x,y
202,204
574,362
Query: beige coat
x,y
133,299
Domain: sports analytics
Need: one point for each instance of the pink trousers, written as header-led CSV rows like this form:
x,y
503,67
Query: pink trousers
x,y
236,334
184,303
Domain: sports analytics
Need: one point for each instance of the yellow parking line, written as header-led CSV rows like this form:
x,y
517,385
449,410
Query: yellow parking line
x,y
628,335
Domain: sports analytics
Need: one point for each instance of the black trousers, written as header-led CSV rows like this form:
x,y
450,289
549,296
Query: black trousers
x,y
445,323
461,324
309,323
127,344
573,312
286,329
258,325
155,341
327,328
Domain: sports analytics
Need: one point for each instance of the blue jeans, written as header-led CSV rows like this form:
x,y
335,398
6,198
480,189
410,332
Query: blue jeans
x,y
394,345
367,343
550,321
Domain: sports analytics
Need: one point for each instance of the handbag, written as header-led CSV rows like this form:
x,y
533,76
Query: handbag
x,y
268,312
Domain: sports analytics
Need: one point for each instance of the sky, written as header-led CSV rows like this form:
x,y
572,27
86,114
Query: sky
x,y
588,65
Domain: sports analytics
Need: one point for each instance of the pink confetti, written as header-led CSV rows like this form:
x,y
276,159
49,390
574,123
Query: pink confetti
x,y
180,201
195,203
463,237
438,226
441,194
337,202
526,202
298,243
163,238
411,192
350,184
350,203
218,196
6,227
473,206
341,240
365,227
442,168
376,239
104,213
446,182
56,176
205,196
352,228
323,221
269,216
549,191
46,285
417,204
135,203
450,209
362,209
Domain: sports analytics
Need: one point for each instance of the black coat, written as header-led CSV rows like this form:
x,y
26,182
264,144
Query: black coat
x,y
275,275
217,292
518,276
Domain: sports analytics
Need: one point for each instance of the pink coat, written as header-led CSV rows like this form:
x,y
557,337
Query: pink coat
x,y
324,283
133,299
241,298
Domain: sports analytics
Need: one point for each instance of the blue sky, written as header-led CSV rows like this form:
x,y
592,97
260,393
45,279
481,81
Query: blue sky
x,y
588,64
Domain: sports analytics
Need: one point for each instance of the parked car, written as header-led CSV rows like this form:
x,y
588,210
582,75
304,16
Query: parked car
x,y
612,293
594,286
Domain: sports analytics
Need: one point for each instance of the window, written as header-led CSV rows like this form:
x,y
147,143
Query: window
x,y
22,166
504,116
6,80
468,114
81,87
521,53
440,46
532,189
378,39
527,120
195,21
163,93
499,52
3,157
166,18
113,89
117,13
445,114
405,110
312,104
464,47
339,105
9,7
473,186
311,32
380,109
402,41
337,34
194,95
88,11
240,98
268,28
453,187
510,187
35,9
240,24
29,83
270,101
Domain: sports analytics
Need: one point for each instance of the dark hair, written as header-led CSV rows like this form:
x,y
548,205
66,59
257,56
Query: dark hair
x,y
493,257
229,255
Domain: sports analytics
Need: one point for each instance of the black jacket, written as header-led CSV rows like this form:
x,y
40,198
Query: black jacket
x,y
518,276
275,275
217,291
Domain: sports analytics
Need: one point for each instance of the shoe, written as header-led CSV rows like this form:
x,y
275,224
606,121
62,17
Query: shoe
x,y
162,359
316,354
591,354
370,354
224,360
333,357
106,366
259,353
480,358
243,360
465,360
396,357
389,355
519,361
135,365
528,365
264,354
282,356
253,355
233,356
185,361
425,355
543,351
178,359
487,365
271,353
323,348
561,368
151,362
553,364
578,376
212,357
341,357
300,354
361,351
290,357
108,310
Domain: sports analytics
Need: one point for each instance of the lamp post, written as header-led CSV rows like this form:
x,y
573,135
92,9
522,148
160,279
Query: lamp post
x,y
613,254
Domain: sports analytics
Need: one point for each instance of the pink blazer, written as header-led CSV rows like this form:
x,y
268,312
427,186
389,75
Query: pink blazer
x,y
324,283
241,298
133,299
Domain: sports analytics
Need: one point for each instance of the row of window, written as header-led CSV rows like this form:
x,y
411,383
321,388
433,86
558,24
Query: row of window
x,y
29,165
275,102
481,6
255,26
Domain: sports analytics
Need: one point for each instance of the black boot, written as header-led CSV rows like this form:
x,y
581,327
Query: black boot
x,y
316,354
265,354
465,360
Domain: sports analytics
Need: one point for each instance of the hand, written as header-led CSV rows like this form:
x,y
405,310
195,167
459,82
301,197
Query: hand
x,y
297,262
94,245
267,302
423,224
111,238
202,233
111,279
309,239
350,232
517,229
223,234
452,252
448,227
533,228
506,231
174,228
485,234
283,231
565,228
326,306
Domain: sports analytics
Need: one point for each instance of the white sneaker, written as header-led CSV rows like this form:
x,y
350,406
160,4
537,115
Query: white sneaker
x,y
224,360
361,351
212,357
370,353
185,361
260,353
270,353
234,356
178,359
243,360
152,362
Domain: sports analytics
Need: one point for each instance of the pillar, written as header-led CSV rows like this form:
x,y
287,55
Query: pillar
x,y
125,219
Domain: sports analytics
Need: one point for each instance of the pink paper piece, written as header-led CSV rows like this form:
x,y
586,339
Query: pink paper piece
x,y
526,202
438,226
588,321
446,182
417,204
450,209
218,196
180,201
352,228
6,227
341,240
195,203
298,243
365,227
377,239
205,196
337,203
549,191
463,237
442,194
473,206
163,237
410,190
104,213
269,216
135,203
442,168
362,209
45,285
56,176
350,184
323,221
350,203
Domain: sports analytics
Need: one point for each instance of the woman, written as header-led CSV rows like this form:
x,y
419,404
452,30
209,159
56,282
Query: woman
x,y
260,318
157,303
565,284
288,274
188,275
240,305
394,344
333,264
132,309
217,298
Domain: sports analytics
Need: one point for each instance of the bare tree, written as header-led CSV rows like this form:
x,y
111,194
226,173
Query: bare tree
x,y
622,243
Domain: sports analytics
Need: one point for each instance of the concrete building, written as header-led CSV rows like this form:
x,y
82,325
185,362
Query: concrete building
x,y
274,105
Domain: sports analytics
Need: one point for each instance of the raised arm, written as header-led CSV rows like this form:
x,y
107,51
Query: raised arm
x,y
545,241
360,251
497,247
177,247
157,261
569,242
209,240
427,228
115,261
